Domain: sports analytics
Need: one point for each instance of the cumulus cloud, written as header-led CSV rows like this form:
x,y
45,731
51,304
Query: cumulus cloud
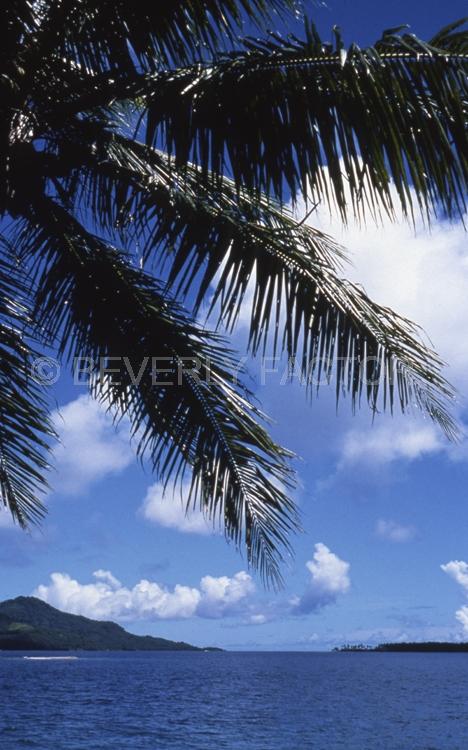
x,y
329,577
462,617
90,449
394,440
106,598
168,510
422,273
458,570
393,531
107,577
223,596
215,597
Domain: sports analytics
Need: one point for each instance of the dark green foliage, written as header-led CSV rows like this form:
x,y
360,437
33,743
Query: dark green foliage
x,y
147,157
278,112
428,646
24,420
27,623
417,646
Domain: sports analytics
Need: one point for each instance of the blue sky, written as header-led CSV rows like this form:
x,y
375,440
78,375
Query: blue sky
x,y
383,506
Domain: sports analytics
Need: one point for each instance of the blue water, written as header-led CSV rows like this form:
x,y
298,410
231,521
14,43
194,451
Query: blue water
x,y
260,701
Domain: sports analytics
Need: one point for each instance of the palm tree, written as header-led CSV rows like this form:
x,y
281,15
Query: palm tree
x,y
149,163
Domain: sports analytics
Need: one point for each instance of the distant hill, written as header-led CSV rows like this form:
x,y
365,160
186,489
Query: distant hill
x,y
27,623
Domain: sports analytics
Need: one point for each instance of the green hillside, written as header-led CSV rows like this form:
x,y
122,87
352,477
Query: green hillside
x,y
27,623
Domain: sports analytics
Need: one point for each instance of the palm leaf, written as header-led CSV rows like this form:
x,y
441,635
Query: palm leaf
x,y
276,115
94,304
123,35
282,117
216,242
25,426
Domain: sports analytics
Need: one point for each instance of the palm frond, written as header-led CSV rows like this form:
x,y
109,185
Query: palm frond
x,y
123,34
277,114
25,426
218,242
100,212
96,305
18,19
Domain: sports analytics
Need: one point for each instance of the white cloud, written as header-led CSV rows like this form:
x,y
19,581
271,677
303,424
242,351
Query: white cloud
x,y
458,570
393,531
90,448
462,617
223,596
394,440
168,510
106,598
259,619
328,571
422,274
215,597
107,577
329,577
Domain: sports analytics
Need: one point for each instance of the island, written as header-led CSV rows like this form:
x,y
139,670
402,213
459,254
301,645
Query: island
x,y
422,646
29,624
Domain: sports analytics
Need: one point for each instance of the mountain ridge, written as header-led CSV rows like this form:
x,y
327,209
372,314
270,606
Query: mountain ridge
x,y
28,623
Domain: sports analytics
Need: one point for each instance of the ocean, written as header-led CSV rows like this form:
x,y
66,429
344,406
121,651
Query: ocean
x,y
259,701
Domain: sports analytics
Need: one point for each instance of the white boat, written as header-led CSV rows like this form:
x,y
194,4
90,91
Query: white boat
x,y
50,658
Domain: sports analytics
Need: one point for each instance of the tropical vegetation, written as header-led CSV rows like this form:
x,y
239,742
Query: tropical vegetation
x,y
151,163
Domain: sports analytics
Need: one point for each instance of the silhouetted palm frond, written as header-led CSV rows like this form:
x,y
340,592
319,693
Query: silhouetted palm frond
x,y
207,239
193,415
148,159
25,426
276,114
